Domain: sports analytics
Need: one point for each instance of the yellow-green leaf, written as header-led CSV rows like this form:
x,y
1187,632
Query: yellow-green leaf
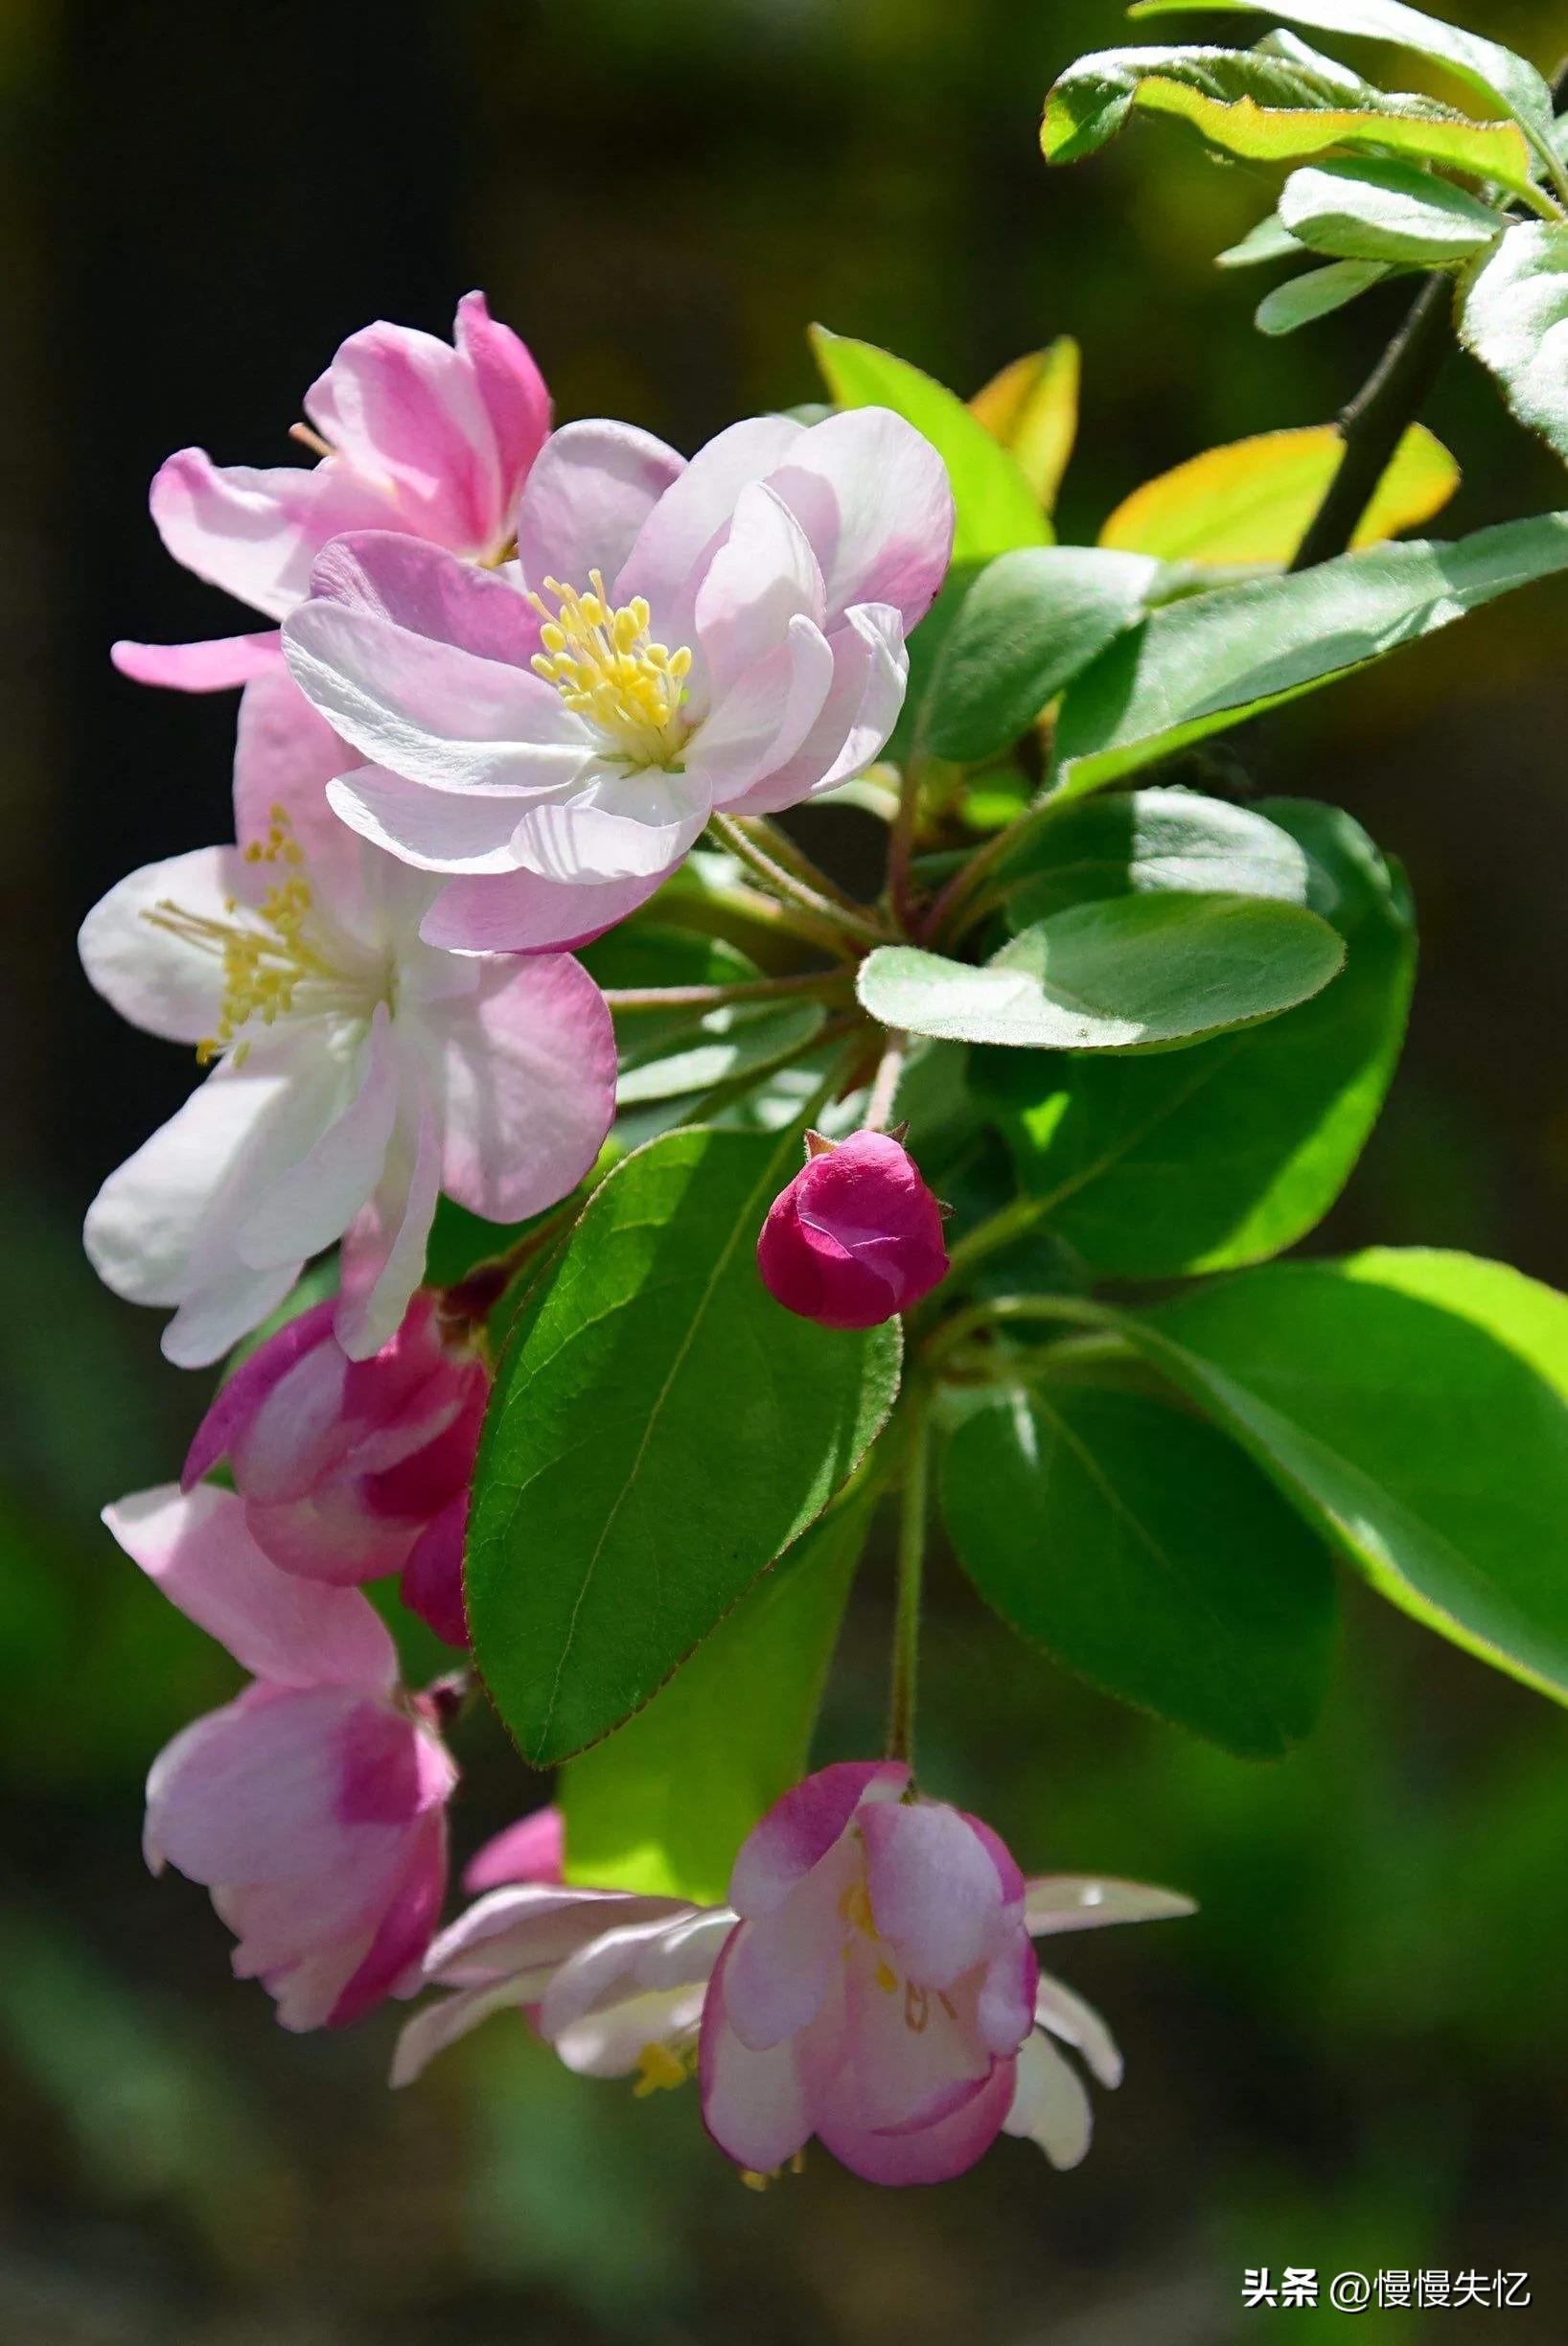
x,y
1032,409
1249,504
1291,134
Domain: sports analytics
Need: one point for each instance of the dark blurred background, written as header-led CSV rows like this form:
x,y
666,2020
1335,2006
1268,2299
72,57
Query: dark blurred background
x,y
1357,2055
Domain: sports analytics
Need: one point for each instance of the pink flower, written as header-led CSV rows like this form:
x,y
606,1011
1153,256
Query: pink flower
x,y
676,638
313,1806
880,1990
349,1469
358,1071
418,436
856,1237
533,1850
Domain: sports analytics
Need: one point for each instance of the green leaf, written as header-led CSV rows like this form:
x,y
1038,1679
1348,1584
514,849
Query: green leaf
x,y
1415,1406
1270,241
663,1804
658,1435
1303,300
1147,1553
1194,668
1249,504
1032,409
1386,211
1496,74
1029,623
1266,107
1138,842
709,1049
1514,318
1132,972
1156,1167
997,509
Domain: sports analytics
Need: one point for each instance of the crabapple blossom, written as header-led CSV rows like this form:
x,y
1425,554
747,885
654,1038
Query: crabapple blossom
x,y
880,1990
349,1469
356,1072
414,434
856,1237
313,1806
677,638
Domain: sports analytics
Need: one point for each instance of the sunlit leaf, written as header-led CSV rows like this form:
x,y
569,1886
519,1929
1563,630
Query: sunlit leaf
x,y
1515,317
1032,409
1379,210
1304,300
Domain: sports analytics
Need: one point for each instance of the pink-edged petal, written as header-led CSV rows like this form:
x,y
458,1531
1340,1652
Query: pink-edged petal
x,y
429,710
626,1962
932,2153
529,1075
763,576
227,1304
385,575
610,2044
905,2058
289,1632
1004,1995
871,674
531,1926
256,533
589,495
800,1829
436,831
934,1893
431,1586
316,1199
158,979
285,756
616,826
692,518
782,1964
1055,1902
241,1397
451,2018
402,408
384,1247
1049,2105
764,715
509,386
249,1794
754,2103
1078,2024
520,913
215,665
875,499
391,1965
533,1850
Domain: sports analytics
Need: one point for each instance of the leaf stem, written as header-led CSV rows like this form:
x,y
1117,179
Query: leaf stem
x,y
731,834
914,1505
879,1108
901,850
716,996
793,855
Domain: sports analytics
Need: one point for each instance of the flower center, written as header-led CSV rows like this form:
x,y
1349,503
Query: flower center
x,y
660,2068
267,960
609,671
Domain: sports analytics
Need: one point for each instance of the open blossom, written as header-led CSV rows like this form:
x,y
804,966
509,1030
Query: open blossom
x,y
415,434
856,1237
314,1807
357,1071
880,1990
676,638
349,1469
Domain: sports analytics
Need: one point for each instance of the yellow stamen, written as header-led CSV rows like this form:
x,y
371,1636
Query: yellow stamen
x,y
265,953
658,2070
608,670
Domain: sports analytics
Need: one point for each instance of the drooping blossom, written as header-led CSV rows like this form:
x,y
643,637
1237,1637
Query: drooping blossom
x,y
357,1071
313,1806
676,638
414,434
349,1469
856,1237
880,1990
533,1850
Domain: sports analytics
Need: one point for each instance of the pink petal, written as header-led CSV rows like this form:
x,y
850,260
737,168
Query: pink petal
x,y
213,666
256,533
533,1850
616,826
240,1399
763,576
442,2023
692,518
802,1827
403,407
386,575
761,721
433,1578
934,1887
932,2153
286,1631
871,672
875,499
589,495
511,386
383,1256
520,913
529,1073
782,1964
531,1926
432,830
316,1199
391,1965
285,756
1004,1995
250,1794
754,2103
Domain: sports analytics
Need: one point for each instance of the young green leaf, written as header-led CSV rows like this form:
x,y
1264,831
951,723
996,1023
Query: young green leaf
x,y
1415,1406
1270,241
1303,300
996,508
1386,211
1145,1550
1194,668
1248,505
1029,623
657,1436
1160,1166
663,1804
1031,406
1515,317
1138,842
710,1048
1132,972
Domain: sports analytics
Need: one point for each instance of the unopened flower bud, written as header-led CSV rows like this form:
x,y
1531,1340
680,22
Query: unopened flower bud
x,y
856,1237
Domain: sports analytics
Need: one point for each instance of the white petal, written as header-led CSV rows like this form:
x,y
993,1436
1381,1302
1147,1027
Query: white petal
x,y
1050,2105
159,981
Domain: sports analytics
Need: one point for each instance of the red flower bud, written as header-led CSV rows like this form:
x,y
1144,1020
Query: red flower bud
x,y
856,1237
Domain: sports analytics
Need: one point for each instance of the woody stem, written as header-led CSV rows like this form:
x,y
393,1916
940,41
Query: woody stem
x,y
912,1565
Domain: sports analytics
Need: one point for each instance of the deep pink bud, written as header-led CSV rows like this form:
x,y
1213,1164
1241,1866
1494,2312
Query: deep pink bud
x,y
349,1469
856,1237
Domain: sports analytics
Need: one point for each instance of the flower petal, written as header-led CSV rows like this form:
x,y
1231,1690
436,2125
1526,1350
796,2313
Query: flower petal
x,y
384,575
871,673
762,719
404,408
211,666
803,1826
1078,2024
934,1893
520,913
440,2024
1082,1902
256,533
616,825
315,1200
754,2103
529,1076
384,1247
932,2153
511,386
1049,2105
441,831
589,494
533,1850
531,1926
693,517
156,979
875,499
763,576
781,1964
390,1966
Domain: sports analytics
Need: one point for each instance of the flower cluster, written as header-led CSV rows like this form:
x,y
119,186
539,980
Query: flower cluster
x,y
511,675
